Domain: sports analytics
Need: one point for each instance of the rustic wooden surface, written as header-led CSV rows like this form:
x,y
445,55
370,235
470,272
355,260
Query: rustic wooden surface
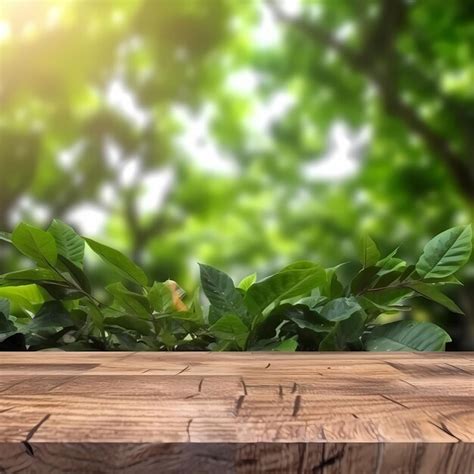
x,y
245,412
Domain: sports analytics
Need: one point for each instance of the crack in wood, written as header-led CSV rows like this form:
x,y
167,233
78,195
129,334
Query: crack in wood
x,y
183,370
458,368
31,433
188,429
28,448
408,383
442,427
395,366
70,379
390,399
191,396
35,428
6,409
268,365
296,405
329,461
238,405
105,366
11,386
122,358
244,386
200,385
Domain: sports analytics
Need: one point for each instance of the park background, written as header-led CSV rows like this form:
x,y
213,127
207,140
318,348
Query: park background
x,y
241,133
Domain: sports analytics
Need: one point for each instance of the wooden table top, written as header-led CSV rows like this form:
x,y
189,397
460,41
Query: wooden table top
x,y
61,397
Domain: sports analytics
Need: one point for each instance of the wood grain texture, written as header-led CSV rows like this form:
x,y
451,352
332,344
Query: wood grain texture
x,y
237,412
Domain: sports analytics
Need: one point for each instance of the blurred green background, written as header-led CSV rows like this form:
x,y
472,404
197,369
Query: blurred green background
x,y
241,133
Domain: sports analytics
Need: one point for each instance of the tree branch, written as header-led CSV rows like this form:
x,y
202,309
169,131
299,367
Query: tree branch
x,y
381,69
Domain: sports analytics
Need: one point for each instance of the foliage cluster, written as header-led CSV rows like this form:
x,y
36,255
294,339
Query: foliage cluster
x,y
302,307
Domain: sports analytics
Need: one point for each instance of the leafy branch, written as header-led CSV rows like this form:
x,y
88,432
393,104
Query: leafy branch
x,y
301,307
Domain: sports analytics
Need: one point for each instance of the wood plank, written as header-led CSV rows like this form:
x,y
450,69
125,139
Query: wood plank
x,y
245,412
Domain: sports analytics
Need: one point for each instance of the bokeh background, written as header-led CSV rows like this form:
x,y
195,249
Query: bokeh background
x,y
241,133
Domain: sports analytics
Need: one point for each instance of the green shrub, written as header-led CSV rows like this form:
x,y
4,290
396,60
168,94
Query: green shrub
x,y
302,307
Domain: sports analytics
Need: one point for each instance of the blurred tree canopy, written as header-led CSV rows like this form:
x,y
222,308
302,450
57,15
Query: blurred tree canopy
x,y
240,133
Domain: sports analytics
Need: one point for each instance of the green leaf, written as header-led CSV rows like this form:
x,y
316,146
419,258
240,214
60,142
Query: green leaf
x,y
69,244
333,287
4,307
134,303
123,264
371,307
389,296
345,332
121,339
160,297
76,273
340,308
6,237
314,302
95,314
388,278
299,315
266,329
128,322
79,316
391,265
220,346
432,293
332,343
384,261
295,280
51,315
288,345
276,344
446,253
351,329
185,316
61,292
221,293
7,328
32,275
450,280
35,244
51,281
231,328
213,315
368,252
408,272
197,309
25,297
364,279
309,320
407,336
247,282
